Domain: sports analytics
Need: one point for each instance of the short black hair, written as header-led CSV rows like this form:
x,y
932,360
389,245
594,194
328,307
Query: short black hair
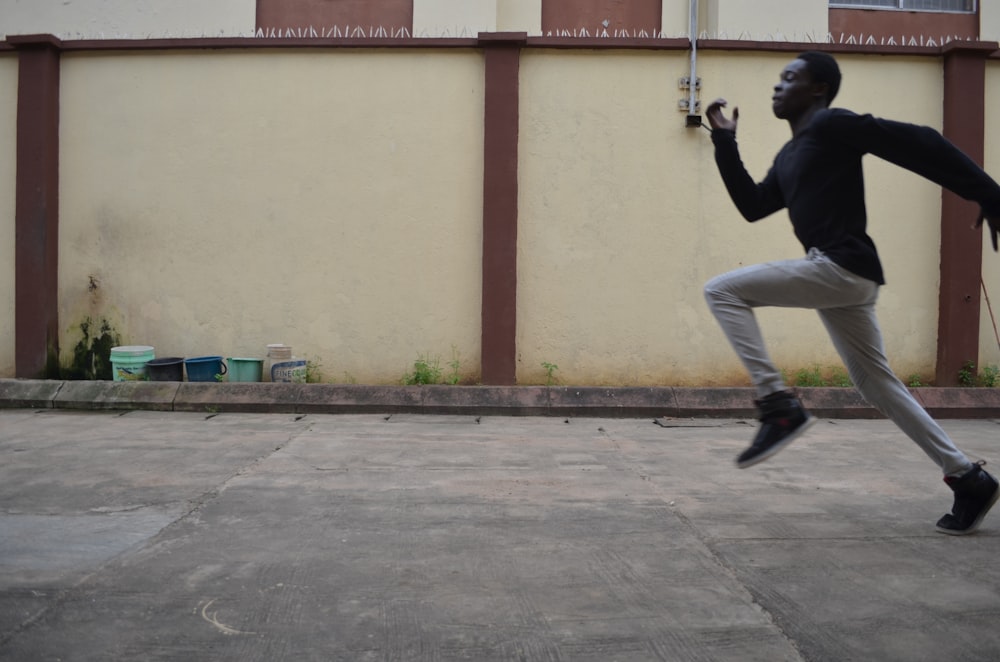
x,y
823,69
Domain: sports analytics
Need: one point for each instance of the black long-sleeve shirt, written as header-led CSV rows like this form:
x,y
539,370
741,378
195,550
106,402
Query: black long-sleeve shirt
x,y
817,175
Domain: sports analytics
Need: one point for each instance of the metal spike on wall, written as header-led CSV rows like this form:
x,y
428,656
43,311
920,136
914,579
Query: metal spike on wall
x,y
361,32
602,32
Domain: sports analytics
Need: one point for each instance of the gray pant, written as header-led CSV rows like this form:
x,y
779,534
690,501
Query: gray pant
x,y
846,304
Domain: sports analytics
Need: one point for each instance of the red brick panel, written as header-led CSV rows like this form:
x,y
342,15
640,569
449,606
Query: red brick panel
x,y
628,15
281,14
36,224
961,248
502,53
902,24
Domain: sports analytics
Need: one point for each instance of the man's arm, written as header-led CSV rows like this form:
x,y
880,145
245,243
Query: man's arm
x,y
992,227
754,201
926,152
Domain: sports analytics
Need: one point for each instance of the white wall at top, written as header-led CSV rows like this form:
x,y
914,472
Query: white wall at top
x,y
133,19
519,16
457,18
800,20
767,20
989,20
453,18
676,16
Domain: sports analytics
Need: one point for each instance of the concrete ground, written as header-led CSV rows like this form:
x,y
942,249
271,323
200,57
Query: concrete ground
x,y
147,535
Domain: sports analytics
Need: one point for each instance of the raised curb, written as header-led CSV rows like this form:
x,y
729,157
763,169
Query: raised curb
x,y
593,401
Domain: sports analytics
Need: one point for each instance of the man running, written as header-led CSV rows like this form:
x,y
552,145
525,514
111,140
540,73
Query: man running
x,y
817,176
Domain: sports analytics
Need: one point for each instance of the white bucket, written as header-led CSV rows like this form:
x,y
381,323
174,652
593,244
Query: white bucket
x,y
128,363
283,367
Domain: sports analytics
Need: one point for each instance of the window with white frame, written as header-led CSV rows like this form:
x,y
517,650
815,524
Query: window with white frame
x,y
962,6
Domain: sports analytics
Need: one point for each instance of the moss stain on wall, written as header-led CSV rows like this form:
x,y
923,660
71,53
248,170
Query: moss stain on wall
x,y
92,354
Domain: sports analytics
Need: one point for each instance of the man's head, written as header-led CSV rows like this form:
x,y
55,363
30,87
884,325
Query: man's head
x,y
809,82
823,69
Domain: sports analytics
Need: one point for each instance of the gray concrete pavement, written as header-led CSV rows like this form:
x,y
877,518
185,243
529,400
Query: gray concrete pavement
x,y
147,535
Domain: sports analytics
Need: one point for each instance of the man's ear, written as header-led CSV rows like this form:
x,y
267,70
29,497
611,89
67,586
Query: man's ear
x,y
821,91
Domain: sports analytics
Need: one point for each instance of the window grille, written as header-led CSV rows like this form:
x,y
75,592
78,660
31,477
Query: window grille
x,y
962,6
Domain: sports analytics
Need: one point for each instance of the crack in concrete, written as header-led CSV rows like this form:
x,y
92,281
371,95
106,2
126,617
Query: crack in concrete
x,y
65,595
727,569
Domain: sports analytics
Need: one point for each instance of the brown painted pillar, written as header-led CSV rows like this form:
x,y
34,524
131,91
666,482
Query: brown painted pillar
x,y
501,53
36,223
961,248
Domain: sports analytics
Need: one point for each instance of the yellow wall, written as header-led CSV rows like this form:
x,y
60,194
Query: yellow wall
x,y
623,217
904,210
8,171
989,346
609,222
214,202
331,201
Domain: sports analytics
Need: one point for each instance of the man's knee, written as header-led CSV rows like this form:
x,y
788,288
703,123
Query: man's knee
x,y
717,289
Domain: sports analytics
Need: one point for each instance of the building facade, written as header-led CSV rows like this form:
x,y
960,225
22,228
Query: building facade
x,y
873,21
371,194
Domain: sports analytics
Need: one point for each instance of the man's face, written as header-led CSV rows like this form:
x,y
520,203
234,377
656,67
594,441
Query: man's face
x,y
795,92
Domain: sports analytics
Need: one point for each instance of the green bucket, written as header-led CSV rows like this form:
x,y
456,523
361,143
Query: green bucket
x,y
128,363
245,370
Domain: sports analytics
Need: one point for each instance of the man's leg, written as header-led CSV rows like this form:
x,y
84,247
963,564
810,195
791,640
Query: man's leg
x,y
810,282
804,283
856,335
732,297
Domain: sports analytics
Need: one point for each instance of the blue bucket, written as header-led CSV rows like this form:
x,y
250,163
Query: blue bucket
x,y
204,368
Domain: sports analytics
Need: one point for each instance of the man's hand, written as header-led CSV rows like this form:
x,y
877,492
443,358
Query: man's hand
x,y
992,228
719,121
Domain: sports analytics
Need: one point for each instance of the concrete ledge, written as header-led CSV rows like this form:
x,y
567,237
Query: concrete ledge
x,y
721,402
155,396
484,400
28,394
611,402
969,402
600,402
844,403
235,397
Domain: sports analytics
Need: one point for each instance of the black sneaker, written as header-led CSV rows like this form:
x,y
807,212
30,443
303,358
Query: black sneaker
x,y
782,419
975,493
